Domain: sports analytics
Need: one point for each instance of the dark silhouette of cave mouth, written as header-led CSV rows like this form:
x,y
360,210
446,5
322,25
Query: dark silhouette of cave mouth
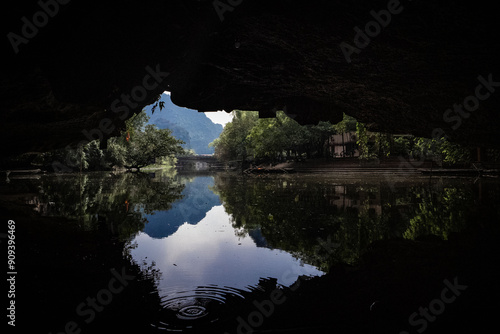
x,y
84,64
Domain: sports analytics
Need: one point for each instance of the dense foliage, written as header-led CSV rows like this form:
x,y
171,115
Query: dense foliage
x,y
272,139
248,138
142,144
139,145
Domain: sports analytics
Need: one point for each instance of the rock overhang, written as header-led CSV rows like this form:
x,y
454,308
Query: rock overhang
x,y
405,67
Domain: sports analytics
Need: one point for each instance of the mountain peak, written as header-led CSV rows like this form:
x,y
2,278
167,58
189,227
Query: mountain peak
x,y
190,126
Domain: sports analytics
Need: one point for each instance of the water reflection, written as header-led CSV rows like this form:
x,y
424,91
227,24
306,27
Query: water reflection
x,y
300,214
212,243
114,203
207,265
197,199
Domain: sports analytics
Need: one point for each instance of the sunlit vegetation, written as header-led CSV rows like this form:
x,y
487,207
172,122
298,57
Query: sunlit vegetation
x,y
248,138
273,139
138,146
141,144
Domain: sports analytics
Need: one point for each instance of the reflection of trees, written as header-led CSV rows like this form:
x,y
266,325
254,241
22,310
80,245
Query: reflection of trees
x,y
323,222
296,215
440,213
114,203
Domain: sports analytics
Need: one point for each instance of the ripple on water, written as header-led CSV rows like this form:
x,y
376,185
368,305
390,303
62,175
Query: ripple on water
x,y
185,309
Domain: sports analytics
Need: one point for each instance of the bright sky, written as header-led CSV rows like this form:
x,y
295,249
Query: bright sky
x,y
220,117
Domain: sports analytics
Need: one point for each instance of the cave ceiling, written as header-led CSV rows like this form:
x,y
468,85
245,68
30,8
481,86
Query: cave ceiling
x,y
76,69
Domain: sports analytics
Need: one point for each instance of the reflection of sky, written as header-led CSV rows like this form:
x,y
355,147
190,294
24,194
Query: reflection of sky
x,y
211,253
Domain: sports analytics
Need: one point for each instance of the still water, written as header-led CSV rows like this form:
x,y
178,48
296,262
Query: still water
x,y
204,247
204,259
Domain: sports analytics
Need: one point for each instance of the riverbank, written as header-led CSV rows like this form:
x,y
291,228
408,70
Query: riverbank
x,y
393,167
389,166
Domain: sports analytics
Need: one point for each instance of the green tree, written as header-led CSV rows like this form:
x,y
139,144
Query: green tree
x,y
267,138
401,145
95,157
232,143
348,124
146,143
140,144
271,139
319,138
365,151
441,150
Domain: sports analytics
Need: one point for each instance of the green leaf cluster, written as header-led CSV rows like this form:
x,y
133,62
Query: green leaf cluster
x,y
139,145
270,139
144,143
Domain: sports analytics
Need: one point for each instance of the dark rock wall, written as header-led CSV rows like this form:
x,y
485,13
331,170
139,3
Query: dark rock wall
x,y
254,55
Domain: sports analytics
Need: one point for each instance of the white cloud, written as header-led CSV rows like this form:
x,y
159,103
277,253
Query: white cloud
x,y
210,253
220,117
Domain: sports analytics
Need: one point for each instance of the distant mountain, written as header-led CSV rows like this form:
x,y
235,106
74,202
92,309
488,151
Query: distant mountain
x,y
190,126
